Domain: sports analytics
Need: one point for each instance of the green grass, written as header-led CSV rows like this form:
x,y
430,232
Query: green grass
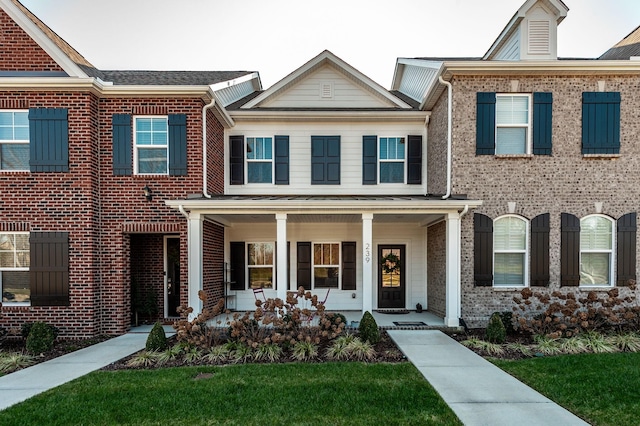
x,y
603,389
254,394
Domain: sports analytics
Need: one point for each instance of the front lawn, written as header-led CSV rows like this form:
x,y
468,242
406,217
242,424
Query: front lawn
x,y
301,394
603,389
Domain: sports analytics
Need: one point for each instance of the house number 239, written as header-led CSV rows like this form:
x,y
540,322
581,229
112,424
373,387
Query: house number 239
x,y
367,253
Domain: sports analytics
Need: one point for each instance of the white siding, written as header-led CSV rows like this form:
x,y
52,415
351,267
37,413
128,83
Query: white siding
x,y
346,93
411,235
350,159
510,51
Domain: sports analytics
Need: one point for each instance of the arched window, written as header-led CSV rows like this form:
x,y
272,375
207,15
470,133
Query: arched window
x,y
510,255
596,251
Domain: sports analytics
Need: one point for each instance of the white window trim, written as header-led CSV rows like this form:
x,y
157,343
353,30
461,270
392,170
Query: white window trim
x,y
396,160
527,243
15,141
273,266
247,161
15,269
529,132
612,252
136,146
313,265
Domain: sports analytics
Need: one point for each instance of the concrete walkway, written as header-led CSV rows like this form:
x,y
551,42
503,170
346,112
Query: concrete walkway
x,y
476,390
23,384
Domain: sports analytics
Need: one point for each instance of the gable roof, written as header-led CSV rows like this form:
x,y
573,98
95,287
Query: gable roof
x,y
625,48
163,78
323,59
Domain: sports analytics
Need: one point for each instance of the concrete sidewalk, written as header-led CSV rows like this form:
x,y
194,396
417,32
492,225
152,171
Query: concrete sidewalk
x,y
23,384
476,390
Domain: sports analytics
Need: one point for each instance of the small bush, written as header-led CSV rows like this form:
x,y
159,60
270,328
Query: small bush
x,y
40,338
25,329
496,332
157,340
368,329
507,320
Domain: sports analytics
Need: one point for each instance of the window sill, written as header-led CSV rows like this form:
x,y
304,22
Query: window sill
x,y
17,307
15,172
506,289
602,288
514,156
601,156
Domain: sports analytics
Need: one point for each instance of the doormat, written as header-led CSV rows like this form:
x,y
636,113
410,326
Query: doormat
x,y
409,323
393,311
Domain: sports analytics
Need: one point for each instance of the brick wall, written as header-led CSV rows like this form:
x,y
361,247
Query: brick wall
x,y
64,202
563,182
436,269
213,262
18,52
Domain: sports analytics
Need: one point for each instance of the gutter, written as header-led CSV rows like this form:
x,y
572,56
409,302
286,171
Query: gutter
x,y
449,125
204,149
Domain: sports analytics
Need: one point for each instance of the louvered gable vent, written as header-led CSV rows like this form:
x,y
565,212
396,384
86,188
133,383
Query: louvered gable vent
x,y
539,37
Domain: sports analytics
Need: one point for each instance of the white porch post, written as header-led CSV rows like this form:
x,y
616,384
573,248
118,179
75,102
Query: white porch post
x,y
281,256
367,262
452,314
194,244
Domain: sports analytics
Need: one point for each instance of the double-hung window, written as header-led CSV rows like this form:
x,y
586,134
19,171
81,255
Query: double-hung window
x,y
596,251
510,252
392,159
260,265
14,140
14,268
151,145
259,160
326,265
513,119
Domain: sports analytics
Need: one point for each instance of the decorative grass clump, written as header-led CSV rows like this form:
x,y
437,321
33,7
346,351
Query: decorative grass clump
x,y
157,340
368,329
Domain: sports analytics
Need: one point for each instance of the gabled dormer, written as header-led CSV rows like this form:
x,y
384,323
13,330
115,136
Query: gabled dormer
x,y
532,33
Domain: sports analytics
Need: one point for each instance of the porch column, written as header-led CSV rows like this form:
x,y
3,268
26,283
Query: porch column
x,y
281,256
194,244
367,262
452,314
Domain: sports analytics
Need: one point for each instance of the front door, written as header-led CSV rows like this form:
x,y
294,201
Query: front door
x,y
172,276
391,282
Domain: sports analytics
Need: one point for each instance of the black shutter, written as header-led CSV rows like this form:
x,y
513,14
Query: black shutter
x,y
48,140
122,147
542,123
49,269
569,250
601,123
304,265
282,160
237,265
414,160
349,265
369,160
540,250
482,250
177,145
325,160
486,123
626,252
236,164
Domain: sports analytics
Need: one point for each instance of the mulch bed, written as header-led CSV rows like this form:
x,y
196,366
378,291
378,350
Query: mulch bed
x,y
60,347
386,349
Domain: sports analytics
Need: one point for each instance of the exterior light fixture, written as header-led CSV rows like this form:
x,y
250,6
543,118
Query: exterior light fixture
x,y
147,193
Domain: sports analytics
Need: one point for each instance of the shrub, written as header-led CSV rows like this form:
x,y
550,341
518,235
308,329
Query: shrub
x,y
40,338
25,329
368,329
157,340
496,332
507,320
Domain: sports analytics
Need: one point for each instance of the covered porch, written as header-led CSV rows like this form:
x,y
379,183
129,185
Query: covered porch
x,y
336,247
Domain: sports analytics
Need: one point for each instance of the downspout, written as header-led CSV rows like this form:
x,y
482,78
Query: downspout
x,y
204,150
183,211
449,125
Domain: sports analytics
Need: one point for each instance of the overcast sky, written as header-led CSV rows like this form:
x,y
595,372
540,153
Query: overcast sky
x,y
275,37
